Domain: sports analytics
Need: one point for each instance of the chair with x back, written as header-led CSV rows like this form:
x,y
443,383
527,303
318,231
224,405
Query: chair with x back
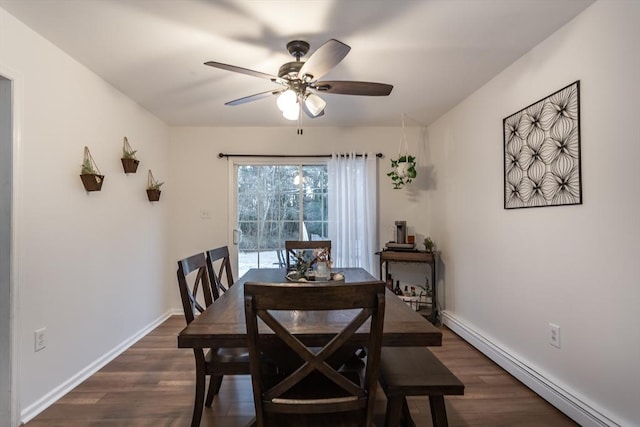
x,y
318,389
196,295
219,268
292,247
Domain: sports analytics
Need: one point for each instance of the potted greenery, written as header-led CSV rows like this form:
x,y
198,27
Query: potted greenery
x,y
303,264
403,171
429,245
129,161
153,188
89,173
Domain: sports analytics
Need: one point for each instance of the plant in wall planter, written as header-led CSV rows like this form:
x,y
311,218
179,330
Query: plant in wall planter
x,y
90,174
403,171
153,188
129,161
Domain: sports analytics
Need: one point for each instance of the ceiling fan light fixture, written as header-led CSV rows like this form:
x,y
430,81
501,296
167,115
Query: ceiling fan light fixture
x,y
292,112
287,100
296,77
314,103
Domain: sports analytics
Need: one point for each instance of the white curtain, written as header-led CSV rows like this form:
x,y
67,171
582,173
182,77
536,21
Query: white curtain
x,y
353,225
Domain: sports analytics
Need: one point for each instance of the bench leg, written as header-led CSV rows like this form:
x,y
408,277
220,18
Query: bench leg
x,y
397,413
394,411
407,421
438,411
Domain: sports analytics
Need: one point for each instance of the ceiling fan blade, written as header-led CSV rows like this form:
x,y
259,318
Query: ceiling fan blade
x,y
241,70
254,97
323,59
345,87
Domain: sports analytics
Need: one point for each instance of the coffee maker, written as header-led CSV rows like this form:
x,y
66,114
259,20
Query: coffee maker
x,y
401,232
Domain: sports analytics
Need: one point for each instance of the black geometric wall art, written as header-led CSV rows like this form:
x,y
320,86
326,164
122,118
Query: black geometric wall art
x,y
542,152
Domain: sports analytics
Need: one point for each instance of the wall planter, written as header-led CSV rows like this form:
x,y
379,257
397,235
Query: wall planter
x,y
130,165
153,188
90,174
129,161
153,194
92,182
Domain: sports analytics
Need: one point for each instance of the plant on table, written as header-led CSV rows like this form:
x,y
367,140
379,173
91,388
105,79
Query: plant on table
x,y
429,245
303,263
322,255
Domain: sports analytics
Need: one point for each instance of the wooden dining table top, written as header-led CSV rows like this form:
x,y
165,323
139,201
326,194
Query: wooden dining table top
x,y
222,324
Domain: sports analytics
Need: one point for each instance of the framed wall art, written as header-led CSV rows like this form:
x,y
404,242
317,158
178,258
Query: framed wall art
x,y
542,152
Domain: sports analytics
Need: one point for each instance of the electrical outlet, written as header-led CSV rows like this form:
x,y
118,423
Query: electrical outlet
x,y
40,339
205,214
554,335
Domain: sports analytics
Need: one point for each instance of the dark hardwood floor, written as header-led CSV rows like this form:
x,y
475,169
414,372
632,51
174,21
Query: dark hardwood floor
x,y
152,384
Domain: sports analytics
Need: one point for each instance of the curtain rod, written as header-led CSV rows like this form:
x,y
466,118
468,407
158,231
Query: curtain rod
x,y
221,155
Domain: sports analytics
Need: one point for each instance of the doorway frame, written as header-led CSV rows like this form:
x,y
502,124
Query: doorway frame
x,y
15,253
232,193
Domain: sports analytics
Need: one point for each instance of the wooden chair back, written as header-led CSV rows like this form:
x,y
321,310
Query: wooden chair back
x,y
293,246
221,273
193,280
315,386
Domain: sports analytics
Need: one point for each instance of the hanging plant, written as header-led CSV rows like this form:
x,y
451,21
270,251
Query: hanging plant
x,y
89,173
129,161
403,169
153,188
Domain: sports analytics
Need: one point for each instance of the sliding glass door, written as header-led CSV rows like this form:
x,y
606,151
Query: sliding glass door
x,y
274,202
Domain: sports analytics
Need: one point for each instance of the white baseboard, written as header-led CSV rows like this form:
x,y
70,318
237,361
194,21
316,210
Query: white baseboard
x,y
560,397
50,398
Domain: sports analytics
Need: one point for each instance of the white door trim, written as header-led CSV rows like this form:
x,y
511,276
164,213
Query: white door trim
x,y
16,234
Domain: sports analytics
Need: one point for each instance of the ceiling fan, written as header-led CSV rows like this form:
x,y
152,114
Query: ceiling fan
x,y
300,80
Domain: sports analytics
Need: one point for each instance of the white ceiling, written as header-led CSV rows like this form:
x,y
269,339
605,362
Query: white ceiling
x,y
434,52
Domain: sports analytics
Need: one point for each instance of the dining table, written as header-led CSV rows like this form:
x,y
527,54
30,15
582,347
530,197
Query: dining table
x,y
222,324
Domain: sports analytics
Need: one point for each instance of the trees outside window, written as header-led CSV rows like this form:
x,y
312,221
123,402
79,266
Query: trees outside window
x,y
279,202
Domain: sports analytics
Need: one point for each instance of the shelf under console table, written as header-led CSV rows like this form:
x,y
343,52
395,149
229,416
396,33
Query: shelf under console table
x,y
390,256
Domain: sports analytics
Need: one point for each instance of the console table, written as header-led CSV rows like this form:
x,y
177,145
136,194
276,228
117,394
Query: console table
x,y
390,256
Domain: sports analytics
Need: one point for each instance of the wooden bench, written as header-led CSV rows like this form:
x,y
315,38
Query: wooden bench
x,y
415,371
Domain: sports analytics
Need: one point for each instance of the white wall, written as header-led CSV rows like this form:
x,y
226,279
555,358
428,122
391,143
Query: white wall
x,y
92,266
196,169
509,273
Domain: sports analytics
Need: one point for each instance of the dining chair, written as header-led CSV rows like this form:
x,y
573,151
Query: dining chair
x,y
195,290
219,256
293,246
320,389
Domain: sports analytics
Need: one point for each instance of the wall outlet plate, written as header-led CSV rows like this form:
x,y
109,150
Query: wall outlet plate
x,y
40,339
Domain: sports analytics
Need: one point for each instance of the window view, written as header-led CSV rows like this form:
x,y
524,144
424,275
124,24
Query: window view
x,y
277,203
